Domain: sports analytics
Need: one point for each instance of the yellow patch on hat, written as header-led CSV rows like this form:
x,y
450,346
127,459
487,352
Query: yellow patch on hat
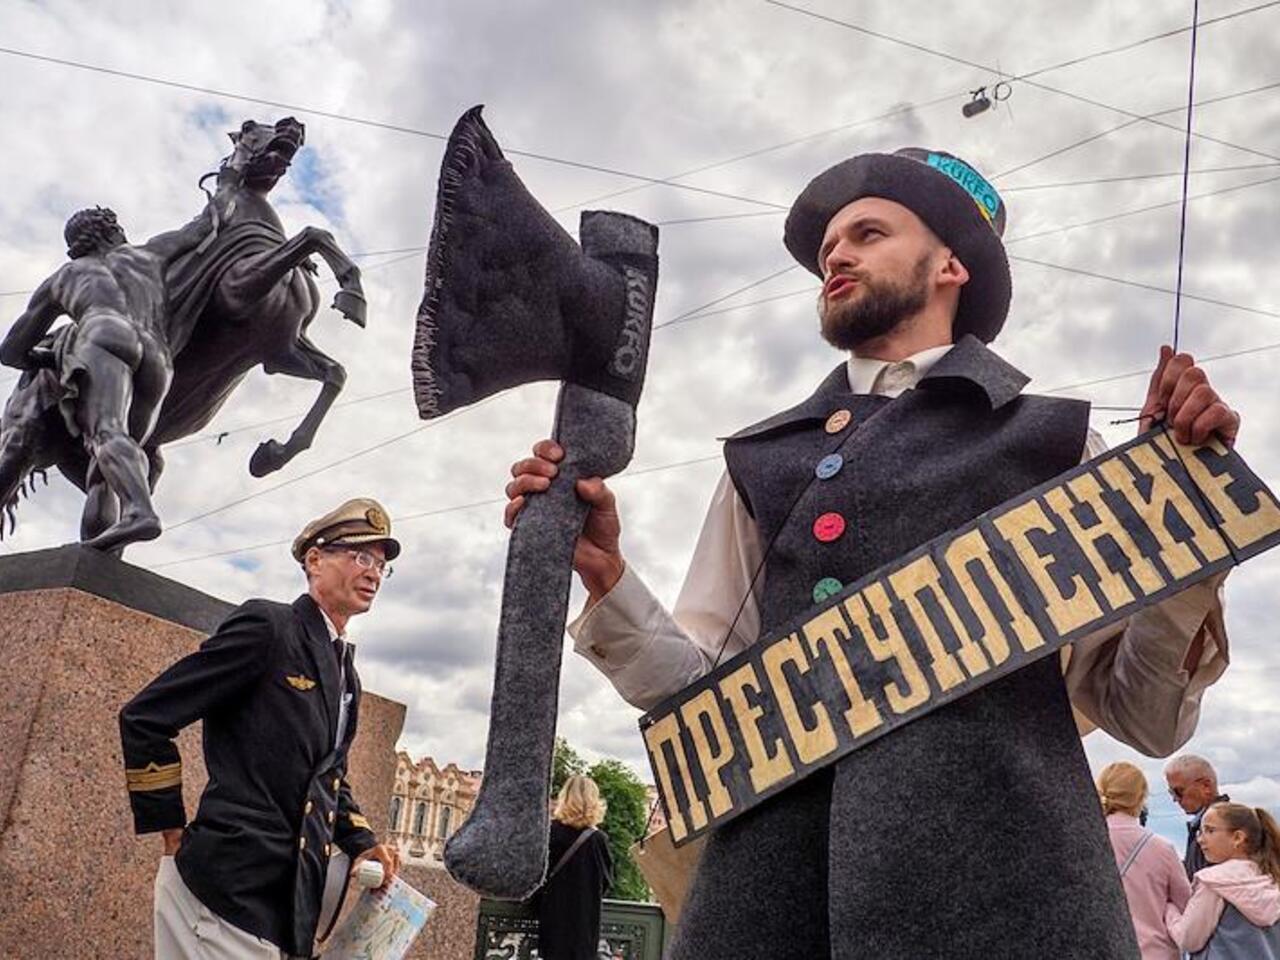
x,y
378,520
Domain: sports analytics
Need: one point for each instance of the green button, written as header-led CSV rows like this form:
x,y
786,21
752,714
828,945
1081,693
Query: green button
x,y
826,588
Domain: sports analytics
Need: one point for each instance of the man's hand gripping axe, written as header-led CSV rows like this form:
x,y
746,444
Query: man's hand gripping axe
x,y
510,298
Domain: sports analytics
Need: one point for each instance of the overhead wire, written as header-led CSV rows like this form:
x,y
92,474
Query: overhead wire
x,y
365,121
914,107
1186,167
1146,372
1124,178
671,181
720,299
1094,137
1134,44
493,501
987,68
439,511
692,314
1138,210
962,61
807,291
1133,177
702,310
1080,271
761,151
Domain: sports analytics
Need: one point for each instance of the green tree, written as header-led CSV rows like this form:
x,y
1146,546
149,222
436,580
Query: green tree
x,y
624,823
565,763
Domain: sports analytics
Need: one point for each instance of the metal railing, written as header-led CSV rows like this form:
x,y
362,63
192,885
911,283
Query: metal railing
x,y
628,931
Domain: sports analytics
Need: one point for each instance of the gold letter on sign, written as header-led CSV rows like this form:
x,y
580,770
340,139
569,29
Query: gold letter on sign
x,y
707,704
893,646
1177,557
1242,528
811,745
1088,490
765,770
1066,614
826,629
922,574
964,550
667,731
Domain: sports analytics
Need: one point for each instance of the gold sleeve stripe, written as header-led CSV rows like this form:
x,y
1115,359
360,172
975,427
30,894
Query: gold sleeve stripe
x,y
359,821
154,777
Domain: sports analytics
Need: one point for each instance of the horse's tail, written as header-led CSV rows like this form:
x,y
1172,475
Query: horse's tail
x,y
25,488
20,433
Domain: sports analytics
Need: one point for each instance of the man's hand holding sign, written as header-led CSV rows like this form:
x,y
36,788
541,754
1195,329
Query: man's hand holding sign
x,y
1181,396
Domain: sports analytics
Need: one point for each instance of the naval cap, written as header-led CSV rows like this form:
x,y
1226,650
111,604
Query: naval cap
x,y
358,521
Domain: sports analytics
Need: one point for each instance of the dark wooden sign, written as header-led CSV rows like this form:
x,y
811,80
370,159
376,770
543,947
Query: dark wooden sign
x,y
1086,550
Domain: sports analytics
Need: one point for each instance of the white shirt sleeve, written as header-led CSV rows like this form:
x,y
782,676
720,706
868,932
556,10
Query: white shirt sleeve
x,y
649,654
1141,680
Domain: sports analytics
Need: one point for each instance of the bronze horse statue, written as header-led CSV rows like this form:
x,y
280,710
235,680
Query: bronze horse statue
x,y
243,296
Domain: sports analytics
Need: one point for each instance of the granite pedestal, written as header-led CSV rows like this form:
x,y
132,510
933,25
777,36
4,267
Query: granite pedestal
x,y
80,633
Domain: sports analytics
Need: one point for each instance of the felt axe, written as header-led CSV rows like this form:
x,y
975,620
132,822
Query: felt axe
x,y
511,298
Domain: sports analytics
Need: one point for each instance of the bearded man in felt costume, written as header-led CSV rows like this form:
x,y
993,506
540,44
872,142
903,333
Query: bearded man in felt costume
x,y
973,831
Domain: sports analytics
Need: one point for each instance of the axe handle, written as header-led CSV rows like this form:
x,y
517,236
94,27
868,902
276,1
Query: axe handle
x,y
501,849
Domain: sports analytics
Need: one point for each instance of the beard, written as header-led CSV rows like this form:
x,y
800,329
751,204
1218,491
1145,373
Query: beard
x,y
880,307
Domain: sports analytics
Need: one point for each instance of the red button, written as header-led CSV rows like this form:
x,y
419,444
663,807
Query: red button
x,y
828,527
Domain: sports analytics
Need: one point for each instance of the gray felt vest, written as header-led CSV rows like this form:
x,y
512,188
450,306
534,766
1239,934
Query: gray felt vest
x,y
974,831
1237,939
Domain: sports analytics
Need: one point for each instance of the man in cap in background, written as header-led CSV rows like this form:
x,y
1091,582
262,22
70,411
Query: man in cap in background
x,y
279,696
973,831
1193,785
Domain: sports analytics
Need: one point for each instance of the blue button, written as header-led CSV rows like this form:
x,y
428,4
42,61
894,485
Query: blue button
x,y
829,466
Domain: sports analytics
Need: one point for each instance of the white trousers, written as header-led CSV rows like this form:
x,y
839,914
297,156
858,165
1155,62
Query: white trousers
x,y
185,929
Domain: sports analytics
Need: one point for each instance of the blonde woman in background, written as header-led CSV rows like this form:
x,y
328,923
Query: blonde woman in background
x,y
1150,870
580,871
1234,911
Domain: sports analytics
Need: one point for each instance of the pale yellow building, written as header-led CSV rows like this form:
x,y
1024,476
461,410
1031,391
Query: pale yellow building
x,y
428,803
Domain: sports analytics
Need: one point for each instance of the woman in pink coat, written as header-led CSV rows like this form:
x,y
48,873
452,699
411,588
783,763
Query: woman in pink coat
x,y
1234,910
1152,874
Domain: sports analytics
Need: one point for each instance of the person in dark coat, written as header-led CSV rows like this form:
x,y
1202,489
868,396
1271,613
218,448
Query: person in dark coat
x,y
278,692
1193,785
568,903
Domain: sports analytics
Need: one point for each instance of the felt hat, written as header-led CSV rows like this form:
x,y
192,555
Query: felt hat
x,y
951,197
356,522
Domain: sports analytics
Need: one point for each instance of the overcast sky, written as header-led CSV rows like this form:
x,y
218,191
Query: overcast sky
x,y
657,89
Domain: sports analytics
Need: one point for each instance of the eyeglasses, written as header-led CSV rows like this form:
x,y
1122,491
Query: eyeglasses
x,y
1177,792
366,560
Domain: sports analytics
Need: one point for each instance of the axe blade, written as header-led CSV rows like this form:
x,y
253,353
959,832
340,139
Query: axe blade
x,y
511,298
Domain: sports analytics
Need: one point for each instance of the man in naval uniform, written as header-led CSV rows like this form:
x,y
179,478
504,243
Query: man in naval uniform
x,y
973,831
279,696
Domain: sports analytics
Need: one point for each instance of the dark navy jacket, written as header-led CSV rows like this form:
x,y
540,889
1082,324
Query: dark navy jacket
x,y
266,685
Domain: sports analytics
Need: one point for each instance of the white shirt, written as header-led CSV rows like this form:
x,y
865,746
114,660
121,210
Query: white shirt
x,y
344,701
1130,679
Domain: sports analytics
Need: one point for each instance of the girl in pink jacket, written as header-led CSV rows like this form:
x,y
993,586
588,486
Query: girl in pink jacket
x,y
1234,910
1152,874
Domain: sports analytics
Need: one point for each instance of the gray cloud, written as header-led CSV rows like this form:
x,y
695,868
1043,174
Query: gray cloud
x,y
655,88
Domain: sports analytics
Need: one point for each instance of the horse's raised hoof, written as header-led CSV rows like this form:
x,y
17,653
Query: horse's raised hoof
x,y
270,456
352,305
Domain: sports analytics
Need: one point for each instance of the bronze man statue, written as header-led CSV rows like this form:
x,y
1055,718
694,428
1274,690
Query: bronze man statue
x,y
113,362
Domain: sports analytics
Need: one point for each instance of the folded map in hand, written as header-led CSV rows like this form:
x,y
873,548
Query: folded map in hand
x,y
382,925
